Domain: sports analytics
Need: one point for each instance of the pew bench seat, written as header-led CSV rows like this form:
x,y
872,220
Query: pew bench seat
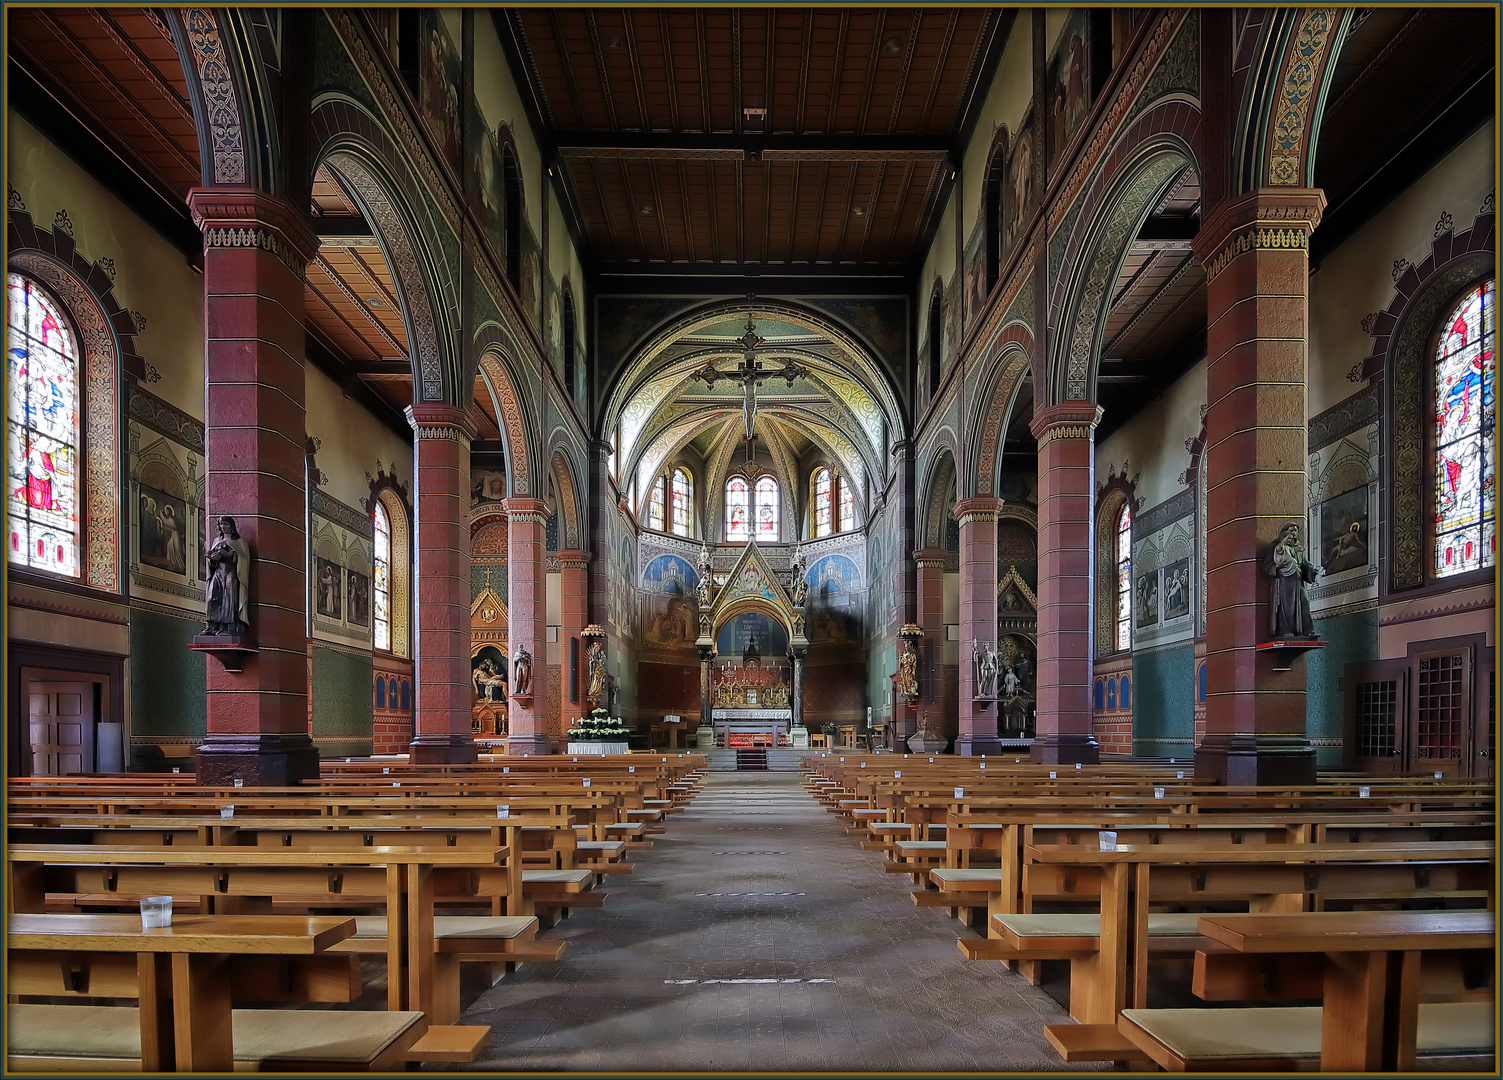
x,y
100,1038
1287,1038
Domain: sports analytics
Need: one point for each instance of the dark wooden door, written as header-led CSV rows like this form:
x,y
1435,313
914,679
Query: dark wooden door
x,y
62,728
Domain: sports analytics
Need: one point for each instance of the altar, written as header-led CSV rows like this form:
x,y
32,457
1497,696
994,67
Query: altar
x,y
751,727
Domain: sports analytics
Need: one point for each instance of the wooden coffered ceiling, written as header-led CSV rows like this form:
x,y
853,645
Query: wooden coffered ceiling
x,y
780,140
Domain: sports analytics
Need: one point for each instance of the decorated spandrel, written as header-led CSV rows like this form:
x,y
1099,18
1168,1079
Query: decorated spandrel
x,y
41,450
737,509
767,509
1124,579
381,567
1465,429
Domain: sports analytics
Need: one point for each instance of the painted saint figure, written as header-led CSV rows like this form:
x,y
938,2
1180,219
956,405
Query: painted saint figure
x,y
1288,600
229,582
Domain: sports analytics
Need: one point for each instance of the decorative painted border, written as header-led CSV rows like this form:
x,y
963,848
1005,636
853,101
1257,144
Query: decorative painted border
x,y
1297,93
150,411
221,102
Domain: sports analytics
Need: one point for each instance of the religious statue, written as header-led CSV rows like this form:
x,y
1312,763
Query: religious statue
x,y
705,580
799,569
1288,598
984,663
490,685
229,583
521,670
595,681
908,672
1011,684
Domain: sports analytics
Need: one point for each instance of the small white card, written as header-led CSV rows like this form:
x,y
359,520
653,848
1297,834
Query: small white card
x,y
1108,840
239,781
506,768
631,768
1158,793
1364,792
960,793
1053,775
385,771
897,774
227,811
503,810
586,781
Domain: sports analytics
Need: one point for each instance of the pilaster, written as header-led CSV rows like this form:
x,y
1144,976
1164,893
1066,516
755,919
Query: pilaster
x,y
525,566
978,615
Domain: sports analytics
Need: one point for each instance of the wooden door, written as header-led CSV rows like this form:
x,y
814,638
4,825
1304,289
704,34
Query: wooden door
x,y
1440,722
62,728
1377,697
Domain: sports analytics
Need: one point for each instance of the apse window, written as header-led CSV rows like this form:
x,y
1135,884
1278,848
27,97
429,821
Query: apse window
x,y
1465,426
42,446
669,508
832,503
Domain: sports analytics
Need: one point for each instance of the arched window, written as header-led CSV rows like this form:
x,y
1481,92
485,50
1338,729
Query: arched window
x,y
936,340
767,509
832,503
42,445
824,504
569,332
671,506
381,565
737,509
1465,426
391,568
1125,698
1100,694
1111,693
682,500
1124,577
511,180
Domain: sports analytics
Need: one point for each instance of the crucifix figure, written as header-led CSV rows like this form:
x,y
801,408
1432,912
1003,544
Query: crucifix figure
x,y
750,374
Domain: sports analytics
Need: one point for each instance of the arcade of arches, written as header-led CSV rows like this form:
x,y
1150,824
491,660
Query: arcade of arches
x,y
1014,337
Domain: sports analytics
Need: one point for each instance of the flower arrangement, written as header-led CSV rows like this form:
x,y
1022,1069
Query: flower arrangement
x,y
597,727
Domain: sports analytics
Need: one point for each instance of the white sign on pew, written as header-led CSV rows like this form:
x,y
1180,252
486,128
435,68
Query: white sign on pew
x,y
960,793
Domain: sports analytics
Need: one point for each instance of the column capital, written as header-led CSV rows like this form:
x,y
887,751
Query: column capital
x,y
245,217
1065,420
524,508
574,558
930,557
441,421
977,508
1266,219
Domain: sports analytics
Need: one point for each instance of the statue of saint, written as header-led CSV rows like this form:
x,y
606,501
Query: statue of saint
x,y
1011,684
705,581
800,568
1288,598
489,684
908,672
595,684
521,669
229,583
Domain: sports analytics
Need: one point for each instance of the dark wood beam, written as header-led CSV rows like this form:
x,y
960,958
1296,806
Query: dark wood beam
x,y
576,145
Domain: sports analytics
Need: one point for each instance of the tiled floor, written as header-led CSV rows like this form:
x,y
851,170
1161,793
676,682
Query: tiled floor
x,y
756,936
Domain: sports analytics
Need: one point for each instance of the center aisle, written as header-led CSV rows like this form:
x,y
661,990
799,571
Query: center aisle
x,y
755,935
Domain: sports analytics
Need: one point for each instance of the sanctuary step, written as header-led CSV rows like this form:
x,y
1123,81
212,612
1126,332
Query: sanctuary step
x,y
750,758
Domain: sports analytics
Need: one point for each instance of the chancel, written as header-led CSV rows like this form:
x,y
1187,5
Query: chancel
x,y
620,431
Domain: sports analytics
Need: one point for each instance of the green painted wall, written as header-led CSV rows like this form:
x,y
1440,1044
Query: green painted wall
x,y
1350,639
342,713
1163,702
168,682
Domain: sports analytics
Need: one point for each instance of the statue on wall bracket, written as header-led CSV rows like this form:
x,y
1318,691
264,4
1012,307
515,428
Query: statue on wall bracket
x,y
228,609
1288,594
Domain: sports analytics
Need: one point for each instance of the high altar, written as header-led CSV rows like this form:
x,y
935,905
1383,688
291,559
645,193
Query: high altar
x,y
751,704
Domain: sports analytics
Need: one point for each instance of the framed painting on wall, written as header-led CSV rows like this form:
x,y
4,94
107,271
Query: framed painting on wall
x,y
1147,587
328,588
1343,531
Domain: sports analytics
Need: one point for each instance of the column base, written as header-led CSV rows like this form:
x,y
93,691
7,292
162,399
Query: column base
x,y
269,760
1248,760
1065,749
528,745
969,744
442,750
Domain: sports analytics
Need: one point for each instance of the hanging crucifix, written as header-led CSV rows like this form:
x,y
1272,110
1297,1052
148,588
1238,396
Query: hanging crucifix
x,y
750,374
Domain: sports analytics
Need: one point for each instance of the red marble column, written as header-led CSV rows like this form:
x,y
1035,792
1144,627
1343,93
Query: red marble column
x,y
1256,252
978,616
255,250
525,566
929,578
1066,437
574,616
441,568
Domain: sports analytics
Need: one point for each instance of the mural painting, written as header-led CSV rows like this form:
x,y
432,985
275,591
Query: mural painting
x,y
1343,531
163,537
1147,587
1017,196
487,486
1069,84
669,606
438,93
832,605
328,588
623,561
1177,589
738,634
357,595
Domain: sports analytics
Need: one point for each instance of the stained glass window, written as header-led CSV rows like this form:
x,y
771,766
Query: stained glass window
x,y
1465,426
823,505
41,430
846,504
1124,578
737,509
767,509
381,564
683,493
657,509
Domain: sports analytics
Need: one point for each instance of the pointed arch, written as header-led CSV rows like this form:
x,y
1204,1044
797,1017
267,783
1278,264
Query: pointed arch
x,y
494,373
989,424
939,490
569,510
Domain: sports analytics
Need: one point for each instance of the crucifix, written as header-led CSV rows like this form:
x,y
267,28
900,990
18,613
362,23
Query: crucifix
x,y
750,374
